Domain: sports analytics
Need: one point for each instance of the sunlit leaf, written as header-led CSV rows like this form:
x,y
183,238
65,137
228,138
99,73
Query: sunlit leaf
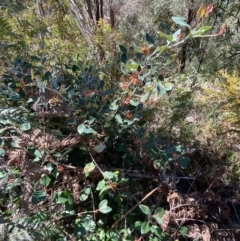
x,y
181,22
82,129
168,86
166,36
176,35
118,118
133,102
88,168
201,11
84,194
145,209
144,97
39,153
131,65
45,180
145,227
103,208
136,48
200,31
109,175
114,105
25,126
2,152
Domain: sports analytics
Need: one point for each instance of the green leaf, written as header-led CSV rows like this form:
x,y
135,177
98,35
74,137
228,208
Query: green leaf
x,y
166,36
137,225
159,211
101,185
84,194
158,214
2,152
99,148
38,196
38,153
149,39
82,129
56,132
63,197
124,58
131,65
114,105
136,48
160,89
25,126
178,149
145,209
45,180
103,208
133,102
176,35
181,22
144,97
104,189
184,231
118,118
145,228
109,175
168,86
200,31
157,231
2,174
88,168
183,162
123,49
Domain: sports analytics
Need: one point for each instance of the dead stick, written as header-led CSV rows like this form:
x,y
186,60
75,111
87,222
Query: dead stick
x,y
129,211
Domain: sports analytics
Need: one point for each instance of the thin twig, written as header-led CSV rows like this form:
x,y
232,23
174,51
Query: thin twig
x,y
129,211
217,175
189,219
93,203
236,213
96,163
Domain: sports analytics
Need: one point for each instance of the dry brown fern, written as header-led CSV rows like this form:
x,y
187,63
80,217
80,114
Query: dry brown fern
x,y
15,156
51,104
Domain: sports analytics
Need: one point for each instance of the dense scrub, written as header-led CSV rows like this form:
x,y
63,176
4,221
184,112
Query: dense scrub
x,y
106,139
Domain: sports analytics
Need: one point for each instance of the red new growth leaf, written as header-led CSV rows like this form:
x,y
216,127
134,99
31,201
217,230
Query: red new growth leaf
x,y
222,30
209,10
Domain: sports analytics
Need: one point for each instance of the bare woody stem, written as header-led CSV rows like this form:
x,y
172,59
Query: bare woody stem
x,y
129,211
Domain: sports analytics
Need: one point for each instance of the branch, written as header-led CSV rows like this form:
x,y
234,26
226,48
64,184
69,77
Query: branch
x,y
129,211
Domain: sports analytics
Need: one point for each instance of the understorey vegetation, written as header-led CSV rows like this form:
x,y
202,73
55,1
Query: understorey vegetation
x,y
119,120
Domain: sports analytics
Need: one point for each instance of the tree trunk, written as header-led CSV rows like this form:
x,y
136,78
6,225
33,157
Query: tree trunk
x,y
184,52
40,8
89,9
